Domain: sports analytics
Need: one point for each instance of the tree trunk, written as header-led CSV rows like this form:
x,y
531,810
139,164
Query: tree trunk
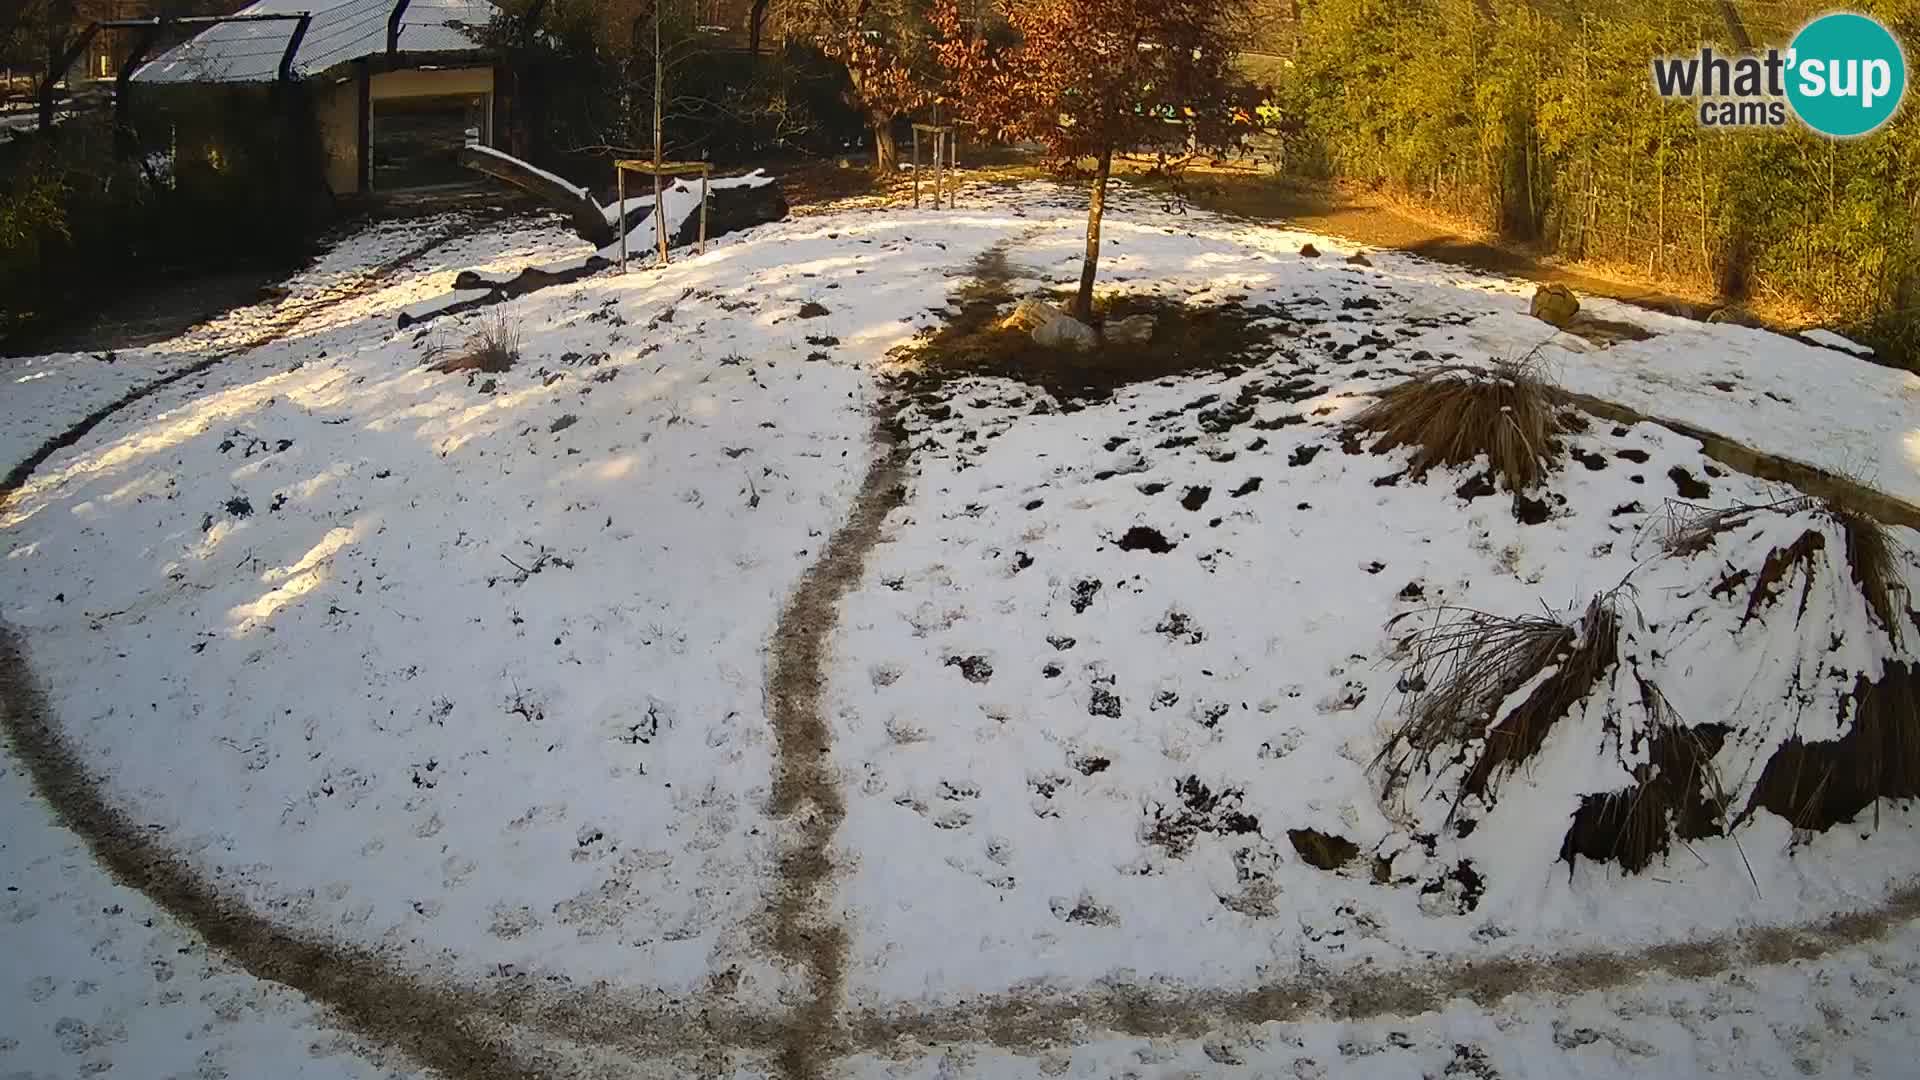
x,y
1090,266
886,152
756,21
60,16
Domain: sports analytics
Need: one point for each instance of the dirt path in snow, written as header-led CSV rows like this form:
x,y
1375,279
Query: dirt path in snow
x,y
367,992
1023,1020
805,789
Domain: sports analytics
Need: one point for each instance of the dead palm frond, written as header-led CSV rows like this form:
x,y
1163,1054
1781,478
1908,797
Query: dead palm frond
x,y
1461,672
1815,785
1453,415
1676,795
1687,528
1874,557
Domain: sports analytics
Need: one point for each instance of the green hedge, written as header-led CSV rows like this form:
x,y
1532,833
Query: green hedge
x,y
1538,120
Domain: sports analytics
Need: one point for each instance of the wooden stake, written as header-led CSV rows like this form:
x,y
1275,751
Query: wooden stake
x,y
703,212
659,219
620,189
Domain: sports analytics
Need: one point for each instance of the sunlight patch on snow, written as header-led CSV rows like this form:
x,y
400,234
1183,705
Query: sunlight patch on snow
x,y
153,483
618,468
306,489
449,433
433,408
297,580
170,430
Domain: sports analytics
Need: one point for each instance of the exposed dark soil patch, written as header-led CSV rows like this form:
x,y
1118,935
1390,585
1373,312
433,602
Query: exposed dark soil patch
x,y
1143,538
1688,485
1091,764
1195,497
1103,702
1083,593
1179,627
1476,486
1323,850
975,669
1195,809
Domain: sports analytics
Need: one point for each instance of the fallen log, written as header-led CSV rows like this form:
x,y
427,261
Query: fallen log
x,y
570,199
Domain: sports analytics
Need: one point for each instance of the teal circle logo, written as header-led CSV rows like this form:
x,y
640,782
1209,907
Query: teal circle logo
x,y
1846,75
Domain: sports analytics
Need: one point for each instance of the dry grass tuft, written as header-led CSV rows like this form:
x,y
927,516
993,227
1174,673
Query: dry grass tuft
x,y
1455,414
492,349
1460,672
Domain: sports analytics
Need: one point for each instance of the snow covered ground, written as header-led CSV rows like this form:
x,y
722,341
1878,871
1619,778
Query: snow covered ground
x,y
46,394
468,670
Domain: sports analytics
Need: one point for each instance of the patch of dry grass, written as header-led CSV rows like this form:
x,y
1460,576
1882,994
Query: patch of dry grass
x,y
1455,414
1186,339
492,349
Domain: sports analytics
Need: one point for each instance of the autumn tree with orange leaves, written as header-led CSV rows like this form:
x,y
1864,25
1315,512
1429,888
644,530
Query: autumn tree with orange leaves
x,y
1089,78
885,47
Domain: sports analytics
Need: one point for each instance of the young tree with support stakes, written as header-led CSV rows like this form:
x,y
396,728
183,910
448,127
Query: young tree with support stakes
x,y
1089,78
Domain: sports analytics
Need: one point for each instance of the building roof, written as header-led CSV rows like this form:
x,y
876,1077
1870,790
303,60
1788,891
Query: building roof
x,y
341,30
